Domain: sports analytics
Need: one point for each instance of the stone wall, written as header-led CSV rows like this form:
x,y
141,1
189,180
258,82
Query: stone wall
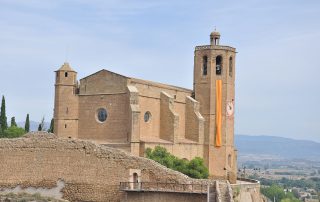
x,y
90,172
247,191
169,120
115,128
164,196
194,122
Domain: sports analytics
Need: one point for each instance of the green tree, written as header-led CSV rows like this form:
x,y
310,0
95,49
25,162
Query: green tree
x,y
50,130
13,132
13,121
3,116
276,192
194,168
41,125
27,124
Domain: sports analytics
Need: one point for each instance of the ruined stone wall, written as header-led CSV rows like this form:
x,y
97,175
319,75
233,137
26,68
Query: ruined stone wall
x,y
89,172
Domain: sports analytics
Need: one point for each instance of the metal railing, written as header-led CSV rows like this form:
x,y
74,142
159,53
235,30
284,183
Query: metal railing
x,y
163,187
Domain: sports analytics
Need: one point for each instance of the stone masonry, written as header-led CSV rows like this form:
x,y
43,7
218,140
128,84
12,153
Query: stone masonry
x,y
133,114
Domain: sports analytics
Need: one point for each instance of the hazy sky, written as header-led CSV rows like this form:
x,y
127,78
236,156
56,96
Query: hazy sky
x,y
277,65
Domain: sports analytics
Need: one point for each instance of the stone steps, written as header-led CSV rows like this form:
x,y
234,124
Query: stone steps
x,y
220,192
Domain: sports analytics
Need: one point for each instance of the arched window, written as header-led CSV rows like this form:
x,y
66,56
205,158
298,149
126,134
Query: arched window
x,y
204,65
66,74
230,66
218,65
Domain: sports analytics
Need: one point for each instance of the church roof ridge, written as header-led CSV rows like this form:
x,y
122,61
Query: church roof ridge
x,y
160,84
143,81
106,71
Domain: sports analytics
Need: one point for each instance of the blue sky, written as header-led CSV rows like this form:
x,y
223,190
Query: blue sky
x,y
277,67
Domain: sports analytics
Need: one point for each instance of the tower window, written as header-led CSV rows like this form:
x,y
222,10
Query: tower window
x,y
65,125
230,66
66,74
205,65
218,65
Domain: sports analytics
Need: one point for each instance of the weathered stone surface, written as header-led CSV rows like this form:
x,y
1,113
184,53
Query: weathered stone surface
x,y
90,172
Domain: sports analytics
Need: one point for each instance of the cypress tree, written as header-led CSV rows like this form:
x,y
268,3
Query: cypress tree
x,y
3,117
40,127
27,124
13,122
51,126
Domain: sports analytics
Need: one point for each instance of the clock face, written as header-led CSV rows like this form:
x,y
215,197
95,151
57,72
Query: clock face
x,y
230,109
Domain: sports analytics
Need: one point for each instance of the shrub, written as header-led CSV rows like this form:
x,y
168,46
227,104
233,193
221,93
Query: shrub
x,y
194,168
13,132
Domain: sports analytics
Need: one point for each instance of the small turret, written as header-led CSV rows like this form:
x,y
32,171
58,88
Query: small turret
x,y
214,38
66,75
66,102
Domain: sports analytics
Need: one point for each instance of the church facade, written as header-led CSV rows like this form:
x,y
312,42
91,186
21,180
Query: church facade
x,y
133,114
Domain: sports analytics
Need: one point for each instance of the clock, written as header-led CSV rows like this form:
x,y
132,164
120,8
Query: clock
x,y
230,108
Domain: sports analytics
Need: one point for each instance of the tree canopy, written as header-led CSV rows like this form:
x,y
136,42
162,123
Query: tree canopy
x,y
13,132
275,192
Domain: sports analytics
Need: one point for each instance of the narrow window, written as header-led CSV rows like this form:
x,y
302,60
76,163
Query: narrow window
x,y
218,65
66,74
65,125
230,66
205,65
229,160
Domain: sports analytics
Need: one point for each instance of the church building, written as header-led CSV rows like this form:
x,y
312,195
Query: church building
x,y
133,114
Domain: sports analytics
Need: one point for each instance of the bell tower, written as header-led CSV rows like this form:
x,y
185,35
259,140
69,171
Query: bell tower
x,y
66,102
214,76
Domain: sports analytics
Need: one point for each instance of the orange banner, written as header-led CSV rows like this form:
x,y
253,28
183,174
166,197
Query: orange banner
x,y
218,112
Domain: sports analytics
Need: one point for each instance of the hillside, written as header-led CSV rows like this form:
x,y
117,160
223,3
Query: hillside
x,y
278,147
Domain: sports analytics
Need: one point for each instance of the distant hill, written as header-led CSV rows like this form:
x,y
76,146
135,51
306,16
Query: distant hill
x,y
277,146
34,125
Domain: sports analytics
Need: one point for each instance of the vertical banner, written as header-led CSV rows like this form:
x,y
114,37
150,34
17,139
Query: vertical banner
x,y
218,112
